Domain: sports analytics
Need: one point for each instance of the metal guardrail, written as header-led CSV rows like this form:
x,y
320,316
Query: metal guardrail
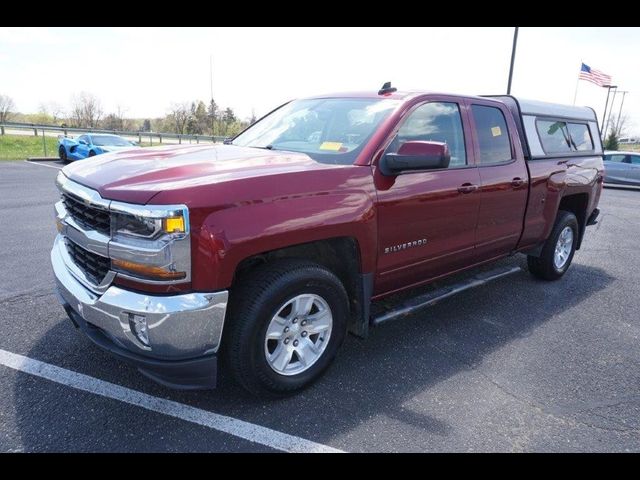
x,y
159,136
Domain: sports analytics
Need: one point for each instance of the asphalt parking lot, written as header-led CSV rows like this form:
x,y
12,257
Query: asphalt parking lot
x,y
516,365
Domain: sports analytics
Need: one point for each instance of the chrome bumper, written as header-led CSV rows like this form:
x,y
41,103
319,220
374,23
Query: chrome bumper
x,y
180,326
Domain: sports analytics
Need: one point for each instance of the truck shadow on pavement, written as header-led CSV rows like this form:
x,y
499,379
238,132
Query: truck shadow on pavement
x,y
419,375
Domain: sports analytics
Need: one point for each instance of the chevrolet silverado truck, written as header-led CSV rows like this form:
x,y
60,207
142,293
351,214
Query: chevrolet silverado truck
x,y
266,251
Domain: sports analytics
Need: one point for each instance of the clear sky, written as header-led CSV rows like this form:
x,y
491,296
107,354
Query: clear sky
x,y
146,69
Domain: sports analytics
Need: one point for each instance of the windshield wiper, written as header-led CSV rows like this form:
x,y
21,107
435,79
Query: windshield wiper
x,y
268,147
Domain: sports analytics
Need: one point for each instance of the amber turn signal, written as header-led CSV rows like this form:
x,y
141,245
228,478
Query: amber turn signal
x,y
173,225
147,271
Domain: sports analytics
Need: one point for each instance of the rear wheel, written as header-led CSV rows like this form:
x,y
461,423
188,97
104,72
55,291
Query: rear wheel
x,y
62,153
557,252
92,153
286,323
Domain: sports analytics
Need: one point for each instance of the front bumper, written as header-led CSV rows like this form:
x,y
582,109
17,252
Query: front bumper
x,y
184,330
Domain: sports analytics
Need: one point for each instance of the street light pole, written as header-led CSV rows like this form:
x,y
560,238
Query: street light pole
x,y
604,115
613,104
513,59
213,114
620,112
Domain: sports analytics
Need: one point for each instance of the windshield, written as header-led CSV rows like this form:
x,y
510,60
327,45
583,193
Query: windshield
x,y
110,140
329,130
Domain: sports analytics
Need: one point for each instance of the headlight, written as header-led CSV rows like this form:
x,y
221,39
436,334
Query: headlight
x,y
150,243
136,226
148,222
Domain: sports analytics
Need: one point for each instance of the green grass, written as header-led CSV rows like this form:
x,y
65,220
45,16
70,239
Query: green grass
x,y
20,147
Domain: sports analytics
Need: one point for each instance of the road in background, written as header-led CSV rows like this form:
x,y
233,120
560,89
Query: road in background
x,y
516,365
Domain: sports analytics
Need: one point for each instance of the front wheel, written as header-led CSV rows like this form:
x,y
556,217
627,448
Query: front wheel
x,y
557,252
62,153
286,323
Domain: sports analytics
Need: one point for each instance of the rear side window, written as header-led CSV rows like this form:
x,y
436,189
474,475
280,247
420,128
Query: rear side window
x,y
635,159
558,136
580,136
493,136
615,158
554,136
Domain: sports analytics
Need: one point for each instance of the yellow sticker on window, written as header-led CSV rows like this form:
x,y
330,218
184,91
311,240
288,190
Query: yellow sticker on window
x,y
496,132
333,146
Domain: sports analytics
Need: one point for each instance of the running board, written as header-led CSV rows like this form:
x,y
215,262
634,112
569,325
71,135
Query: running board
x,y
431,298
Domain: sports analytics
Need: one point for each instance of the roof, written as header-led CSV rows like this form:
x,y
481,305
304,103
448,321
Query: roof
x,y
527,107
535,107
398,95
620,152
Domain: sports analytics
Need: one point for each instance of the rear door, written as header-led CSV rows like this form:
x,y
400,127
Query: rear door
x,y
504,180
83,148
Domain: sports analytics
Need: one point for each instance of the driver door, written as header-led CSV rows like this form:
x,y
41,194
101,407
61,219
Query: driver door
x,y
83,148
427,219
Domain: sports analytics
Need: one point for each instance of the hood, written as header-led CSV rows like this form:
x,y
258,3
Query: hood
x,y
138,175
115,148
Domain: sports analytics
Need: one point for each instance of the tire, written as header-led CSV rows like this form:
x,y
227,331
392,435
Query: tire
x,y
92,153
252,309
545,266
62,153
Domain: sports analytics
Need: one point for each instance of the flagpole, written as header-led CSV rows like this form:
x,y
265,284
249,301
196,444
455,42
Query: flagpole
x,y
575,94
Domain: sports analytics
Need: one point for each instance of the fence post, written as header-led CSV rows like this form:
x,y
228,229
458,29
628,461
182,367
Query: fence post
x,y
179,139
150,140
139,138
197,139
2,130
160,137
44,143
35,132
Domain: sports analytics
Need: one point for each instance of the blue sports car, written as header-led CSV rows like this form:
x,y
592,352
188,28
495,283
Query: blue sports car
x,y
89,145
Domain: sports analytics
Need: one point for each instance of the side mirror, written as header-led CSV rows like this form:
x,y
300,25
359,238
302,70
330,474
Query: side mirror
x,y
416,155
227,141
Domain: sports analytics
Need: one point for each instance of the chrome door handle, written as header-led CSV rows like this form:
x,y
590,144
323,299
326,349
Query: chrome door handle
x,y
467,188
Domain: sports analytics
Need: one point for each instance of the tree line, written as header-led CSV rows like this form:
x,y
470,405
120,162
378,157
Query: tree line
x,y
85,111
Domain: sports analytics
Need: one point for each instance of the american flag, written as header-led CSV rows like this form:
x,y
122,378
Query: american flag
x,y
594,76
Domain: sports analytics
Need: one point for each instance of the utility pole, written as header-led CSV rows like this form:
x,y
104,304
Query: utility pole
x,y
513,59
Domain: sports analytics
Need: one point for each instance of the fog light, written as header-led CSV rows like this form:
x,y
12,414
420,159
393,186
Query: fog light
x,y
138,324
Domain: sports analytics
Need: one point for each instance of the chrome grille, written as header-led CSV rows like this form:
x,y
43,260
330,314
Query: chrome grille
x,y
88,217
94,266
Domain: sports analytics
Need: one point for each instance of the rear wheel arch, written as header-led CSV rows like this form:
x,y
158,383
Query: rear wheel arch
x,y
577,204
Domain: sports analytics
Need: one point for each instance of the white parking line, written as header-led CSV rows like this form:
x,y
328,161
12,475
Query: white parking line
x,y
43,165
238,428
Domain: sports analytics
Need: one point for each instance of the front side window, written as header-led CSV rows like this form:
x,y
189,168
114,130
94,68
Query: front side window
x,y
635,159
110,141
615,158
329,130
435,122
493,135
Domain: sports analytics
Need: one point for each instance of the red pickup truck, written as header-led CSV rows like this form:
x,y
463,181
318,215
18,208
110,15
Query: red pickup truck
x,y
264,252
